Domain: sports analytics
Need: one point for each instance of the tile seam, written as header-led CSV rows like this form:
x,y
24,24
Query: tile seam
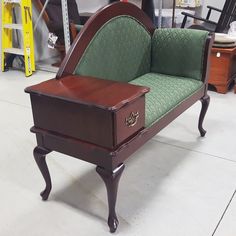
x,y
188,149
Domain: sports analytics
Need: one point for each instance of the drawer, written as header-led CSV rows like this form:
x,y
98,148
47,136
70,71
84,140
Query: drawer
x,y
129,120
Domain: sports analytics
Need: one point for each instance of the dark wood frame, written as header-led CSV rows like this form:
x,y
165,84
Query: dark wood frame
x,y
110,162
228,13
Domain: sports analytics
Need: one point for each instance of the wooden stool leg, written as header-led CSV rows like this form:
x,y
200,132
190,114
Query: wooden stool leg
x,y
111,180
205,103
40,158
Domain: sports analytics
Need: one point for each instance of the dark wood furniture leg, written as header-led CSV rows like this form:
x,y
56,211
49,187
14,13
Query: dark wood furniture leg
x,y
111,179
40,158
205,103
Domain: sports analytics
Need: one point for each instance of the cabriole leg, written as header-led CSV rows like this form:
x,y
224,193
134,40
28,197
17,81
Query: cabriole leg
x,y
40,158
205,103
111,180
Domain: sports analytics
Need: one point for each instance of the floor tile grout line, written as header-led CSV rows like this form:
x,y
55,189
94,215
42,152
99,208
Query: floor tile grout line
x,y
12,103
221,218
188,149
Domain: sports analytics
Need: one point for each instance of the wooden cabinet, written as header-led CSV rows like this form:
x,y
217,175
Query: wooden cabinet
x,y
223,68
97,111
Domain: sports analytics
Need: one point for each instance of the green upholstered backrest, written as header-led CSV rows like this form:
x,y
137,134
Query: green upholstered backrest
x,y
120,51
178,52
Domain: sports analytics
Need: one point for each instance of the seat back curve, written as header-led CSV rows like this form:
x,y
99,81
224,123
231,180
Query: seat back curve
x,y
120,51
123,33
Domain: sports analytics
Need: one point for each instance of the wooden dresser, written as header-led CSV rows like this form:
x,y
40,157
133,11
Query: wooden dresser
x,y
223,68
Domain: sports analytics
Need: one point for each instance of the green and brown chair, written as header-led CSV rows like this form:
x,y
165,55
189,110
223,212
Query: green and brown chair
x,y
99,108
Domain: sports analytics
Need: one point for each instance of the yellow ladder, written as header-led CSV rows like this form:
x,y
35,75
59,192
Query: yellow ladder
x,y
27,33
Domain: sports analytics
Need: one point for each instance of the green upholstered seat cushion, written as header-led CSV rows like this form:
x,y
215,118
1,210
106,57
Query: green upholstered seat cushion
x,y
178,52
165,94
120,51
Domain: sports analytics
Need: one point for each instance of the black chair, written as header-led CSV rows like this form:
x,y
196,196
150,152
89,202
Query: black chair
x,y
228,14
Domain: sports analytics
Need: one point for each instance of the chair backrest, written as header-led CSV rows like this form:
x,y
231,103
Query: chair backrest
x,y
179,52
227,16
120,51
115,44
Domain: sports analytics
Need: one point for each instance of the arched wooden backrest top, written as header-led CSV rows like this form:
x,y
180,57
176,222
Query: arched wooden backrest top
x,y
93,25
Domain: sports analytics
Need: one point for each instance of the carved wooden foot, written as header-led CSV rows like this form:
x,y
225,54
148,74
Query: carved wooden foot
x,y
39,156
111,179
205,103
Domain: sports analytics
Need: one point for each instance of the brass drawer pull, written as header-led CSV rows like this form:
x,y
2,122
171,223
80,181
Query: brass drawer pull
x,y
132,119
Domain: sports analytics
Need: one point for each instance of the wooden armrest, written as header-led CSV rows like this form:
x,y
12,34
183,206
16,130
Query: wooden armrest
x,y
195,17
214,8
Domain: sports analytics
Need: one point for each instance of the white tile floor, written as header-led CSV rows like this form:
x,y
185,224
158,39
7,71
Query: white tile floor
x,y
176,185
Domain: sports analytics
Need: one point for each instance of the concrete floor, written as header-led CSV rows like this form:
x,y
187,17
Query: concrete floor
x,y
178,184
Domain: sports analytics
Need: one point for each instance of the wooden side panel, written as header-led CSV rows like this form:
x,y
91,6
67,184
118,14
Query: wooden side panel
x,y
219,68
79,121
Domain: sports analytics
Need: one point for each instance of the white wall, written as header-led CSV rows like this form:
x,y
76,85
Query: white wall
x,y
214,3
91,5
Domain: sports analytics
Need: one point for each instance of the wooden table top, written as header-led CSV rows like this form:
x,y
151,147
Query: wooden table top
x,y
105,94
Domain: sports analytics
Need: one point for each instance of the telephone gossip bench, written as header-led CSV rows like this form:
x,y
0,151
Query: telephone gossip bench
x,y
121,82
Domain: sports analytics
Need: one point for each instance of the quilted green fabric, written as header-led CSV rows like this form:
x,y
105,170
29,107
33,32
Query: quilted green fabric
x,y
120,51
178,52
165,94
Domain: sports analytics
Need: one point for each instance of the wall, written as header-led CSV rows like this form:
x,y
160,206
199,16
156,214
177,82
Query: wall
x,y
165,3
215,3
91,5
40,40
